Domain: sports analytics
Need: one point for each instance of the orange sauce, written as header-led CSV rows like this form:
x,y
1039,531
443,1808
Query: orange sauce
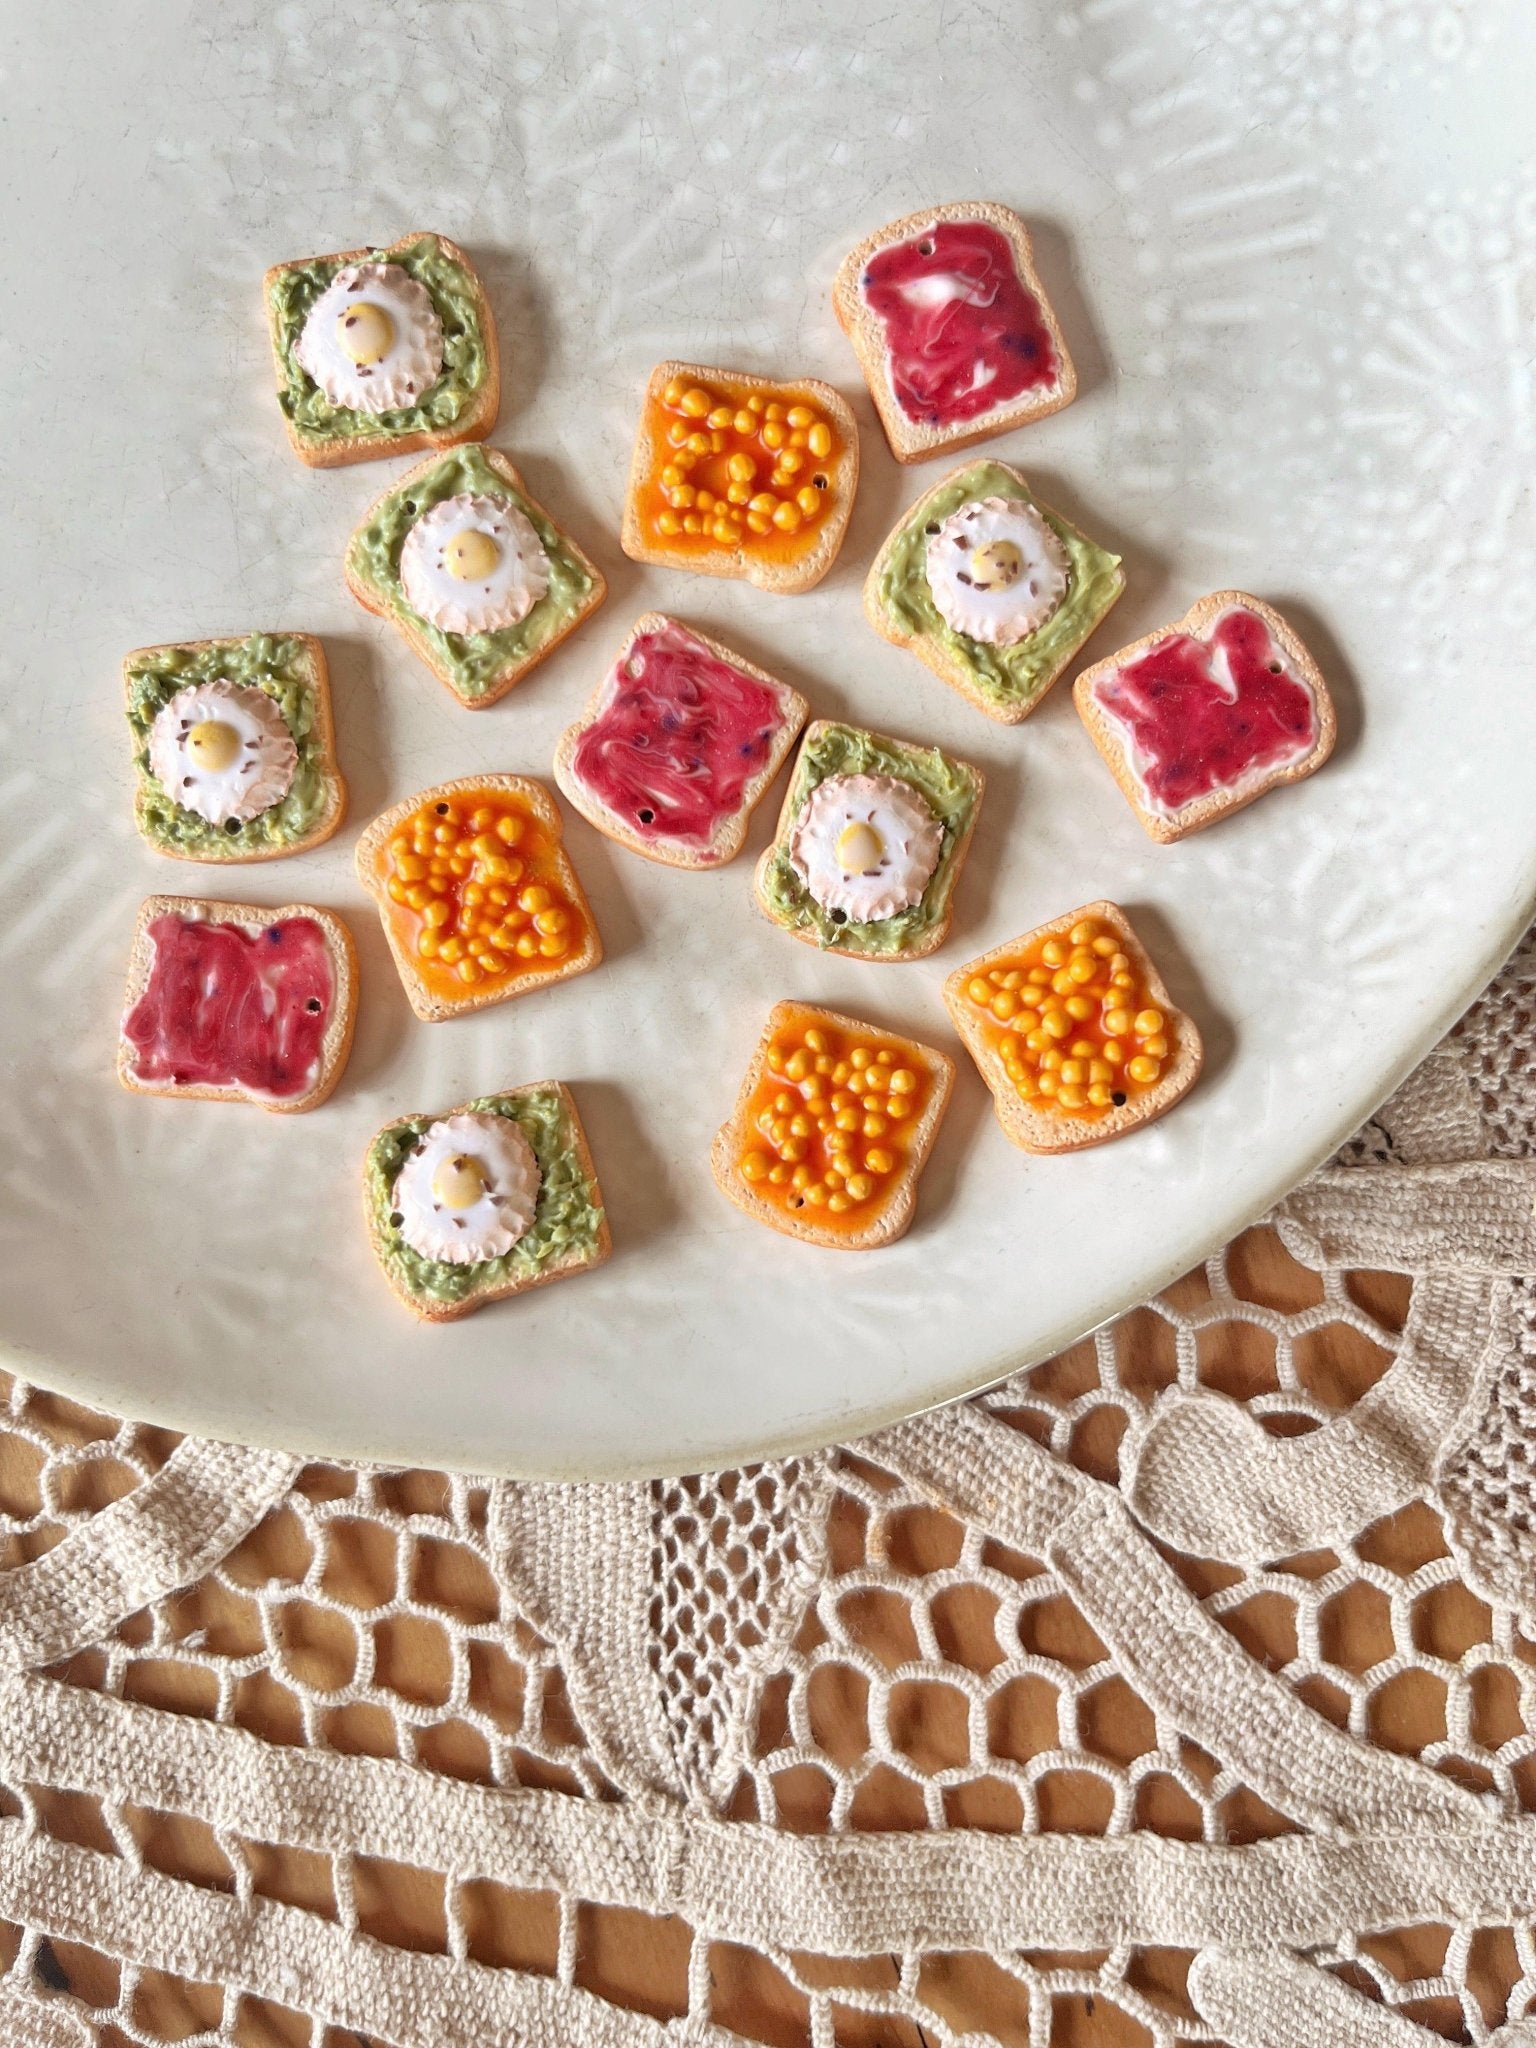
x,y
829,1125
1069,1018
478,892
737,464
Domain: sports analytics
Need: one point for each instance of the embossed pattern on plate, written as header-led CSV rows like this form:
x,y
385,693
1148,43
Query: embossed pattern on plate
x,y
1298,274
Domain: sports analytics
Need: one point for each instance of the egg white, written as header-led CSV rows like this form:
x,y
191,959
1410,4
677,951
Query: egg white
x,y
1005,613
489,1226
507,595
260,775
414,361
910,838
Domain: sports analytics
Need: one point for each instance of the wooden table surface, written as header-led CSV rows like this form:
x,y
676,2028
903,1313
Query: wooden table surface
x,y
641,1962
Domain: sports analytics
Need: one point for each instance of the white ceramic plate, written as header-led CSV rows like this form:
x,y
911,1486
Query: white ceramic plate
x,y
1295,254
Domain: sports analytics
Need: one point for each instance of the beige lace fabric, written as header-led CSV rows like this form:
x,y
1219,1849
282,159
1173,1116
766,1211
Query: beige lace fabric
x,y
962,1734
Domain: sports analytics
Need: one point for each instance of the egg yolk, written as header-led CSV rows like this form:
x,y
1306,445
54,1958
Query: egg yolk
x,y
471,556
859,848
996,565
366,333
213,744
459,1182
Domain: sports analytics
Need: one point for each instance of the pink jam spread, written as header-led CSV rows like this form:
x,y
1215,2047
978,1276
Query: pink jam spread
x,y
231,1008
679,736
962,332
1206,714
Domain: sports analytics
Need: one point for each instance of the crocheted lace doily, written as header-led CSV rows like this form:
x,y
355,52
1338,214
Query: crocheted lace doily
x,y
955,1735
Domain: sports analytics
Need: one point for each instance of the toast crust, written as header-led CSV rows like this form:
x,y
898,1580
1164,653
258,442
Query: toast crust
x,y
932,651
895,1217
474,424
1041,1131
431,1007
804,571
909,440
322,731
730,834
334,1046
1107,733
789,811
372,600
430,1311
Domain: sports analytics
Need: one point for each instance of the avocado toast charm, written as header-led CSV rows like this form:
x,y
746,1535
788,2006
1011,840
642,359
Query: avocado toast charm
x,y
993,590
382,352
492,1198
872,837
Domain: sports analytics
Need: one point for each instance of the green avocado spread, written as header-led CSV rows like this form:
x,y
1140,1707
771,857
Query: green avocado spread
x,y
1006,676
295,289
475,659
947,787
279,667
566,1217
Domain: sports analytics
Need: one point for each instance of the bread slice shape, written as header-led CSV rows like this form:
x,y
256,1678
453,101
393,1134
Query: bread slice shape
x,y
478,668
291,669
1286,728
917,439
569,1232
992,1001
774,715
540,859
794,548
853,1188
952,789
326,436
151,1068
1007,683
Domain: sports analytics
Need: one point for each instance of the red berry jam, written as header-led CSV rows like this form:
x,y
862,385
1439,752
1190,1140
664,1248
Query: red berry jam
x,y
1204,715
679,736
228,1007
963,334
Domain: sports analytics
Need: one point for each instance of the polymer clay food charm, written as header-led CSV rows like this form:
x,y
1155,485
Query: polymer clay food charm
x,y
739,476
871,840
231,1003
1197,720
478,896
382,351
952,328
1074,1032
489,1199
234,750
993,590
471,572
679,742
830,1131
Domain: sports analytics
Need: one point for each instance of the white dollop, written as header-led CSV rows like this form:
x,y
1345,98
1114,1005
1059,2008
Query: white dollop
x,y
501,594
997,570
412,355
865,845
222,750
944,287
459,1149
